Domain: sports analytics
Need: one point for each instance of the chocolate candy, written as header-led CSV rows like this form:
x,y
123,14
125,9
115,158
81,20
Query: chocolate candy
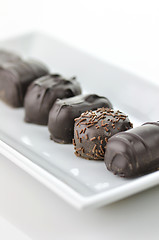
x,y
93,129
15,78
6,56
61,117
42,94
134,152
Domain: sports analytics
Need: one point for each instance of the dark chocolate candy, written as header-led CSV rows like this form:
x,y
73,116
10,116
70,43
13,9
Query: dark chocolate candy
x,y
43,93
15,78
63,113
93,129
134,152
6,56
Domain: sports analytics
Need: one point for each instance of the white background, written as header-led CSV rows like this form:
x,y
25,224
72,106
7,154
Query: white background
x,y
125,33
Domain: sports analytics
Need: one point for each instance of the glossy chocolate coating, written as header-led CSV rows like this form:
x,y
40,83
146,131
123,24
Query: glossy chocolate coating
x,y
93,129
134,152
6,56
63,113
15,78
43,93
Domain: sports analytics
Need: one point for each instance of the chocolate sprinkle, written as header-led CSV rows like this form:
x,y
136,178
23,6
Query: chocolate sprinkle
x,y
100,125
93,138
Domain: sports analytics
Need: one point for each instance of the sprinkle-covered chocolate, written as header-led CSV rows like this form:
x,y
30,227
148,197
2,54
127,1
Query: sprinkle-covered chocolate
x,y
99,129
63,113
134,152
43,93
15,77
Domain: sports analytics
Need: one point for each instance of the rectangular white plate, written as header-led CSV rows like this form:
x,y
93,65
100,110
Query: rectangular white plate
x,y
80,182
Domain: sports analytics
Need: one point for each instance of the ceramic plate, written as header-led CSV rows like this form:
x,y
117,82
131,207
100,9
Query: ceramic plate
x,y
80,182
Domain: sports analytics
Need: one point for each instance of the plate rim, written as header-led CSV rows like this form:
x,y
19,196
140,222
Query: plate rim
x,y
69,194
58,186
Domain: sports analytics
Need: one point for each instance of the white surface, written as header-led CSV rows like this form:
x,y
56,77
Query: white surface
x,y
122,32
9,231
128,35
41,215
82,183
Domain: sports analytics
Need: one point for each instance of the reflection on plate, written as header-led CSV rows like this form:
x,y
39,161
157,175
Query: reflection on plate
x,y
80,182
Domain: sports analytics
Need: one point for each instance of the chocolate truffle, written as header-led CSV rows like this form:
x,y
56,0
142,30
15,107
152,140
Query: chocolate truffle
x,y
63,113
134,152
15,78
6,56
93,129
43,93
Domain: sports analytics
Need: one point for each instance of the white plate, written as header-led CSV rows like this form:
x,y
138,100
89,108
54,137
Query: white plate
x,y
80,182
